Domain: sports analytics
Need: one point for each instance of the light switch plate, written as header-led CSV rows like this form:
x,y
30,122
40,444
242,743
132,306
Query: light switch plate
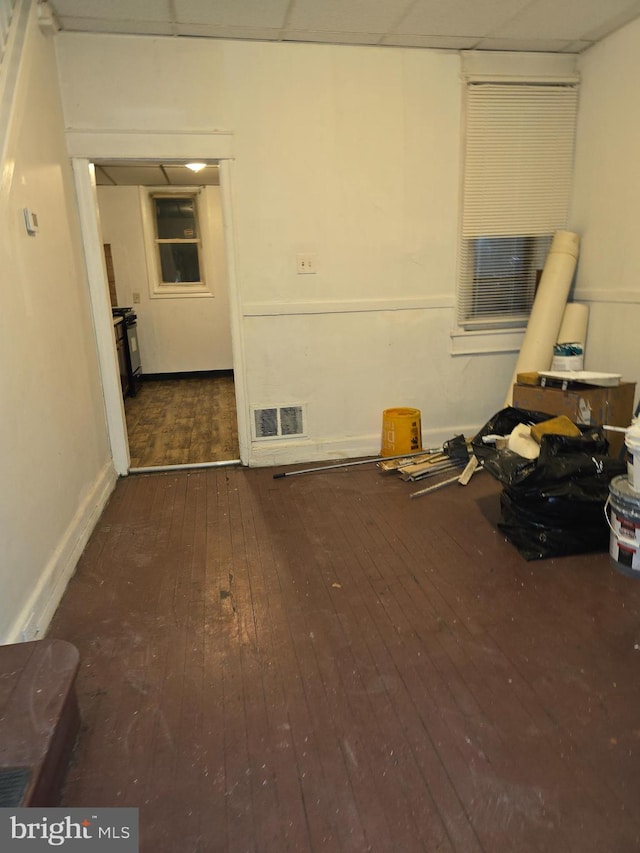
x,y
30,221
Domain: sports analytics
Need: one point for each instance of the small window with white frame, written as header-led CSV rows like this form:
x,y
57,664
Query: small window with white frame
x,y
174,228
519,146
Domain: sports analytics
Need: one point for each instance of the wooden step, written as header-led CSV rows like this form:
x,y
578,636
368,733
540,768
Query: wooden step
x,y
39,720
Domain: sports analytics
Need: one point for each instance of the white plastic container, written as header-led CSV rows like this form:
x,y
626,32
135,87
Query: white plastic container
x,y
568,356
622,511
632,442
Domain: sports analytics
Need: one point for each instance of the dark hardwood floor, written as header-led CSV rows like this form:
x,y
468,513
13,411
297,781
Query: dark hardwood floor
x,y
180,421
320,663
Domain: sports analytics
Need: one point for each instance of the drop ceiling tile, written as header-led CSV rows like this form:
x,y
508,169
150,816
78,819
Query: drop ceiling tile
x,y
555,20
436,42
577,46
328,37
232,13
613,23
227,32
138,175
532,45
361,16
468,18
123,10
180,176
108,25
564,25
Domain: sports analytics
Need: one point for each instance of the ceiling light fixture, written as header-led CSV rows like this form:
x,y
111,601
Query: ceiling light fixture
x,y
195,167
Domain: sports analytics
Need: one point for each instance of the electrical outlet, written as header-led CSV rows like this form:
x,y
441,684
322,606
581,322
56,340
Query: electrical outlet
x,y
307,263
136,298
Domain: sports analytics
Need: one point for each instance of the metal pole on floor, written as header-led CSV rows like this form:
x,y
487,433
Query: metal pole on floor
x,y
358,462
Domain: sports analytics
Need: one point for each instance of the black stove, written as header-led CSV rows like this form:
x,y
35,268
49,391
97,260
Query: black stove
x,y
132,350
128,315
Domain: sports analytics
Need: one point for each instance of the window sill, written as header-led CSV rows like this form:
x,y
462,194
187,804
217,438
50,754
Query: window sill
x,y
486,342
181,293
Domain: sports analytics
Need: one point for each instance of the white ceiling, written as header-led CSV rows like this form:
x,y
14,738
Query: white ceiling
x,y
122,173
564,26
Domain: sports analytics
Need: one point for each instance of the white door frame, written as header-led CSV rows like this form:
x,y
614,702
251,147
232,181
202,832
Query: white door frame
x,y
87,146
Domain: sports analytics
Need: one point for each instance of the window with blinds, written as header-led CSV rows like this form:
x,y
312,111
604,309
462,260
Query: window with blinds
x,y
6,12
516,183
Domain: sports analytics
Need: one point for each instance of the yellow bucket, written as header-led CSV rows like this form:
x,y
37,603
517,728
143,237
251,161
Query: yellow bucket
x,y
401,431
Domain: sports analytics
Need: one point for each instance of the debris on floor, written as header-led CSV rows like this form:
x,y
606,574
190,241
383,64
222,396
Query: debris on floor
x,y
552,503
454,455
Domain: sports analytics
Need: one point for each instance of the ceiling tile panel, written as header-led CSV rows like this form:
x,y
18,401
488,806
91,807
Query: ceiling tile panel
x,y
566,26
180,176
436,42
329,37
530,44
459,17
105,25
364,16
154,175
576,46
562,20
233,13
228,32
145,175
121,10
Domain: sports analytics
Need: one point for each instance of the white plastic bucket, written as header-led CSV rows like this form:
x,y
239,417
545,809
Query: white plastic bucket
x,y
624,522
568,356
632,442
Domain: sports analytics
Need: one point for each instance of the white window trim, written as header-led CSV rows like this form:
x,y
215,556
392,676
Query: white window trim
x,y
503,67
157,288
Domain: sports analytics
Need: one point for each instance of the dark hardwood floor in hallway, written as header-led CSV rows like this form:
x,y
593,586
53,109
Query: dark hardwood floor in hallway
x,y
320,663
184,420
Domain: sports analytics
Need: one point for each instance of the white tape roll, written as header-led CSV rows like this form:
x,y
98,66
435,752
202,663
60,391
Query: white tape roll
x,y
546,315
575,321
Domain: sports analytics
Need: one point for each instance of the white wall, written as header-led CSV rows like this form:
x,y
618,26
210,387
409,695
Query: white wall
x,y
606,202
177,334
353,154
56,468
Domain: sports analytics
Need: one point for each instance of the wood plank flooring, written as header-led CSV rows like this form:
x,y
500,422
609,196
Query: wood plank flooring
x,y
319,663
181,421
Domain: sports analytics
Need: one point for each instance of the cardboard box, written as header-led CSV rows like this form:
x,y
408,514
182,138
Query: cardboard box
x,y
586,405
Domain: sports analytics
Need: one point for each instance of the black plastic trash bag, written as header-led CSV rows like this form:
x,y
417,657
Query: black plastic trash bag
x,y
542,528
554,505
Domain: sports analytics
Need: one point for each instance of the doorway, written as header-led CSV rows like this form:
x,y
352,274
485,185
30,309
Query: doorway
x,y
182,412
182,421
85,149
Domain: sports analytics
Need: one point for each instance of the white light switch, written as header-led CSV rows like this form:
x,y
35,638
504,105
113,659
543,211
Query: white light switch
x,y
30,221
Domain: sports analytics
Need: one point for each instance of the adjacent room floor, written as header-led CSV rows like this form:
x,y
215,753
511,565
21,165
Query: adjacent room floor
x,y
320,663
185,420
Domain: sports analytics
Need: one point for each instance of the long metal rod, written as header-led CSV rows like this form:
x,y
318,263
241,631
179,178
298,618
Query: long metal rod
x,y
435,487
359,462
187,466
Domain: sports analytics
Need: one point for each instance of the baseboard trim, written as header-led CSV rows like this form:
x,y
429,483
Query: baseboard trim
x,y
187,374
33,620
291,452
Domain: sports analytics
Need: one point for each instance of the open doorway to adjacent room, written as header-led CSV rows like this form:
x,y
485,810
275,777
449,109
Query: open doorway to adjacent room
x,y
162,232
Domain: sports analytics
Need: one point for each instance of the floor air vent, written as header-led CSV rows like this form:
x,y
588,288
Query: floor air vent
x,y
13,784
278,422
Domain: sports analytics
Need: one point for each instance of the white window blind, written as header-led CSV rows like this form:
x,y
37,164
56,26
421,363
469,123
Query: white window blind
x,y
517,177
6,11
